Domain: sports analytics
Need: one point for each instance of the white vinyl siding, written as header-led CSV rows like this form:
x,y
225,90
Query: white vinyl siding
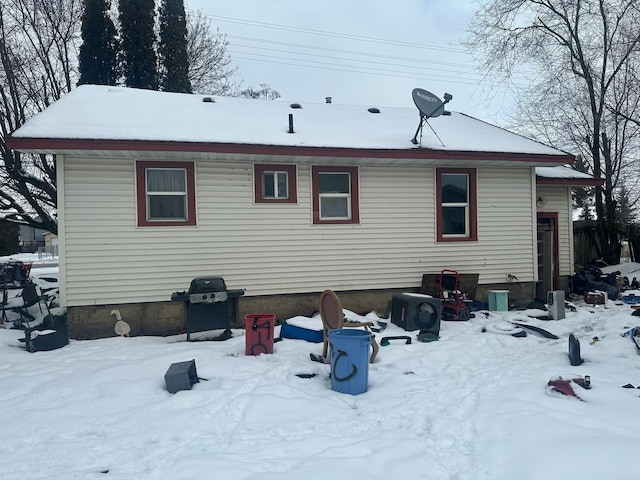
x,y
275,248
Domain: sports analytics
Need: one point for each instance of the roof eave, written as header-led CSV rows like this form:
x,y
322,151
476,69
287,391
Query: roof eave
x,y
570,182
57,145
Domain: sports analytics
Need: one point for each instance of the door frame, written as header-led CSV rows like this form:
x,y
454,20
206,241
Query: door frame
x,y
552,217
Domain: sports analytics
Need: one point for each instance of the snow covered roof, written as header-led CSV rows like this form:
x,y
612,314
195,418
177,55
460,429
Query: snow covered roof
x,y
107,114
564,175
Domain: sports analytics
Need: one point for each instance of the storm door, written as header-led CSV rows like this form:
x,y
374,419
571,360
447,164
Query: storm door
x,y
547,254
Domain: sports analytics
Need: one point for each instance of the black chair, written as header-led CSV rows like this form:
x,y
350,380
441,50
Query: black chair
x,y
30,297
5,301
51,334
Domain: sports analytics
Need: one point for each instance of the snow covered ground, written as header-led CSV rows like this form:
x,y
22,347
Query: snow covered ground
x,y
473,405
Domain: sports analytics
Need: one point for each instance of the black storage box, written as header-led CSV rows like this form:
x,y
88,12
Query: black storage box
x,y
413,311
181,376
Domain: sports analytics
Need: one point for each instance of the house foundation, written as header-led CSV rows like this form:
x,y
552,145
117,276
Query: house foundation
x,y
169,318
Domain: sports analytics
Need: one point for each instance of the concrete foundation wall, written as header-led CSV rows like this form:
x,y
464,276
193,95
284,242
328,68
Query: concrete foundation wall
x,y
169,318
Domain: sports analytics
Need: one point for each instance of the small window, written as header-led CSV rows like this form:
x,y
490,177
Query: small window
x,y
275,183
165,193
456,204
335,195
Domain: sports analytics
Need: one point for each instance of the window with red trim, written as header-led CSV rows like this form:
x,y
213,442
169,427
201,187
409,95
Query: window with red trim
x,y
456,193
275,183
166,193
335,195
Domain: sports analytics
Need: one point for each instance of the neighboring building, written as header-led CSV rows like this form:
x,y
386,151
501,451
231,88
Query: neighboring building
x,y
286,200
31,238
51,244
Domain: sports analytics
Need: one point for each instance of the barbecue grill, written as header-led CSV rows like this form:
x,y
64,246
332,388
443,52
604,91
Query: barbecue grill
x,y
210,305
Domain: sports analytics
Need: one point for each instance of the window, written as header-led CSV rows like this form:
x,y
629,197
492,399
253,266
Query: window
x,y
165,193
456,204
275,183
335,195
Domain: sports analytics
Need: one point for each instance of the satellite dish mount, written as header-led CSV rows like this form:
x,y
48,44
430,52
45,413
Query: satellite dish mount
x,y
429,106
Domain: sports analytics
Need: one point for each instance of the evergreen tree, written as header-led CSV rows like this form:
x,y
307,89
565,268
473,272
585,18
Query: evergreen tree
x,y
626,214
583,196
138,38
99,49
9,238
172,49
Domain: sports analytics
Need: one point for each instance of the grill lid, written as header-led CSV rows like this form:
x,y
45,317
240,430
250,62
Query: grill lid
x,y
207,285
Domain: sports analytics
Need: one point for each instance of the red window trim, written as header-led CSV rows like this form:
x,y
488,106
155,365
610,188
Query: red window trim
x,y
259,169
355,194
473,205
141,193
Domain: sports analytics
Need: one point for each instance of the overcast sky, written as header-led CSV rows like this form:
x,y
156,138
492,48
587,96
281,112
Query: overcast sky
x,y
363,52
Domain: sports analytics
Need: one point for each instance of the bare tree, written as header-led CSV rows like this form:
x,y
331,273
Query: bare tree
x,y
39,44
580,58
210,67
38,65
265,92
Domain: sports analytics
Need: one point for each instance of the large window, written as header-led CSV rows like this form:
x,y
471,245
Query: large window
x,y
456,204
275,183
165,193
335,195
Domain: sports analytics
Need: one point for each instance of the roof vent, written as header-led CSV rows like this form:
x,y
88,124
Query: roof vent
x,y
373,110
327,99
295,105
208,100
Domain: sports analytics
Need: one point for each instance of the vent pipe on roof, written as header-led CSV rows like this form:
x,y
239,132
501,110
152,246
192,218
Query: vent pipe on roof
x,y
291,123
327,99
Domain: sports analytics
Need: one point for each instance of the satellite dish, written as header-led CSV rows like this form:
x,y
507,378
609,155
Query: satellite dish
x,y
429,105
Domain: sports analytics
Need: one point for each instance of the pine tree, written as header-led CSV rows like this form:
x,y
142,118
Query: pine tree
x,y
172,49
138,37
99,49
626,214
9,236
583,196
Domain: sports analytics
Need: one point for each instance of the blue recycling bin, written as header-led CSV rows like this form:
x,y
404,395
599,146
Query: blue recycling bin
x,y
349,360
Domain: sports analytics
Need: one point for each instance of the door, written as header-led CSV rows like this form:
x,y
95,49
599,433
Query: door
x,y
547,254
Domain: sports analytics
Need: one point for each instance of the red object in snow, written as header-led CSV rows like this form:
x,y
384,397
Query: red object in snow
x,y
562,385
259,333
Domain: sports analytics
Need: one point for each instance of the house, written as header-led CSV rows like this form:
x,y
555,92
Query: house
x,y
51,244
31,238
285,200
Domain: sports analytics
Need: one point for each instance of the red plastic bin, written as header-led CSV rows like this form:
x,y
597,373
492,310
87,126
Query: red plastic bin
x,y
26,268
259,333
